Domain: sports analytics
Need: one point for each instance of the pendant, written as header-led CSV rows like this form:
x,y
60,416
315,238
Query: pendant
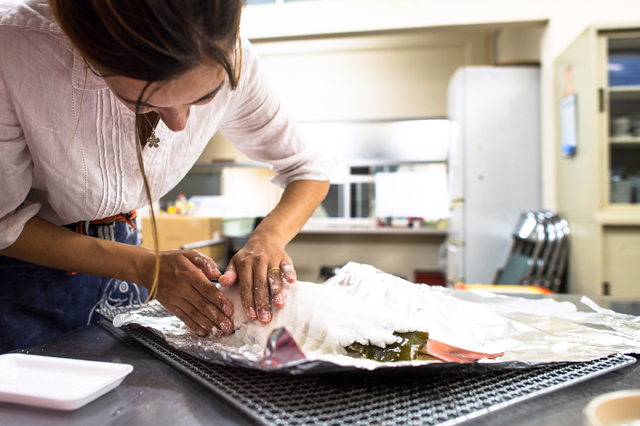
x,y
153,140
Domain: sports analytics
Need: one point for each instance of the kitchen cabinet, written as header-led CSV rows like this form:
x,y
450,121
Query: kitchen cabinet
x,y
598,187
621,259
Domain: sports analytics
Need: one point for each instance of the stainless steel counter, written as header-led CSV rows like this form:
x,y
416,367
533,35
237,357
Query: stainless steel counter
x,y
156,394
153,394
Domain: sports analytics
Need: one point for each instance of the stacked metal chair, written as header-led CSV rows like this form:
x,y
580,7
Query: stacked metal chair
x,y
538,254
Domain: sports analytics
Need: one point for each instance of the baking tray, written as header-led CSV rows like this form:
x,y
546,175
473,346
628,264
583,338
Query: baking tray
x,y
416,396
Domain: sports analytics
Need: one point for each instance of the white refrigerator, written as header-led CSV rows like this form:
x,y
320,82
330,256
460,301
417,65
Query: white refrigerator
x,y
494,165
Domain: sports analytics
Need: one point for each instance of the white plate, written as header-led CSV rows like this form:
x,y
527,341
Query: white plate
x,y
58,383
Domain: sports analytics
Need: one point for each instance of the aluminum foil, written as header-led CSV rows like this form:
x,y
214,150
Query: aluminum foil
x,y
529,332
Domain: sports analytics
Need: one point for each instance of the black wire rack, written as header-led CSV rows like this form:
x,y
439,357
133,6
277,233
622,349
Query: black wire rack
x,y
387,397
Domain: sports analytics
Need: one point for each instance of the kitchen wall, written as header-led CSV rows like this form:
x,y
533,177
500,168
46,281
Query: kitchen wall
x,y
382,59
244,180
321,17
418,42
396,75
566,20
400,255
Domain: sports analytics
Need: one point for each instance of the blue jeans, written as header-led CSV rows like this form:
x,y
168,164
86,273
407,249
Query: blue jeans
x,y
38,303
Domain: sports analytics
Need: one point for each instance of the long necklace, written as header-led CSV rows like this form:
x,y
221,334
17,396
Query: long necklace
x,y
153,141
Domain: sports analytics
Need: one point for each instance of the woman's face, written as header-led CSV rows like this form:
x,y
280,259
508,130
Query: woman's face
x,y
171,99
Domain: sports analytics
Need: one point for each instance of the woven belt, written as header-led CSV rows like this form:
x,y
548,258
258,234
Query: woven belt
x,y
104,227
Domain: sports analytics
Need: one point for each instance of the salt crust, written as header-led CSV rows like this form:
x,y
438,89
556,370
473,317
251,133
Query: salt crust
x,y
322,320
325,317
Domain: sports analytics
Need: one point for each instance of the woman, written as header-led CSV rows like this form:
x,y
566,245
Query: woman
x,y
83,87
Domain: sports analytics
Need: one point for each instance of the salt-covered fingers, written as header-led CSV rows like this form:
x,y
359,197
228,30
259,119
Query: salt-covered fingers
x,y
287,270
185,289
230,277
200,325
203,307
261,293
200,309
207,293
245,281
182,315
212,294
276,279
204,263
261,272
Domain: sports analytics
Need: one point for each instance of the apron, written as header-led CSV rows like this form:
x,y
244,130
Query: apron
x,y
38,303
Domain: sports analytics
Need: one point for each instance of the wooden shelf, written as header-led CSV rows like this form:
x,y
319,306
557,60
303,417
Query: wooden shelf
x,y
625,140
622,214
624,89
624,93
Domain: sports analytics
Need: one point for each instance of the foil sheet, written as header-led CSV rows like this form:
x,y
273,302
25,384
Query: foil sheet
x,y
529,332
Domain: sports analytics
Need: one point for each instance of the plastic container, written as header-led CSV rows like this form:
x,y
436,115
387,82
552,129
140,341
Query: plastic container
x,y
182,205
614,409
57,383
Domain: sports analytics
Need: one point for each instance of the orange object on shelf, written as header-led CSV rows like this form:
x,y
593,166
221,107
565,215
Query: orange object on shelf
x,y
502,288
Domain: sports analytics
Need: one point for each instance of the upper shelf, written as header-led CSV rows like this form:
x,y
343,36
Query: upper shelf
x,y
621,215
627,141
624,93
624,88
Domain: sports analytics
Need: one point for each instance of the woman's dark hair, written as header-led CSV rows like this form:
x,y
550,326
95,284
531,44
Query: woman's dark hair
x,y
152,40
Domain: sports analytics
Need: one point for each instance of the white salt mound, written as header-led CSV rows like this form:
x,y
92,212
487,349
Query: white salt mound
x,y
322,320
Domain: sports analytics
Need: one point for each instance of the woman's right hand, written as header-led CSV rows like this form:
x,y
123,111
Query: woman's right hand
x,y
185,290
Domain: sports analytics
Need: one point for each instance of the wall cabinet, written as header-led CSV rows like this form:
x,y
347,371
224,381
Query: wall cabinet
x,y
599,185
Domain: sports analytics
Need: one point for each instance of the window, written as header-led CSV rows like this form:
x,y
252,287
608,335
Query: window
x,y
386,168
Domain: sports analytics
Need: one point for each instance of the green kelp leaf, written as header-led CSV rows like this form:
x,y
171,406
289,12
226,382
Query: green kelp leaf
x,y
407,349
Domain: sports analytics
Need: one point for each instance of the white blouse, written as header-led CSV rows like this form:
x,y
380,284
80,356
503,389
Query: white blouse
x,y
68,145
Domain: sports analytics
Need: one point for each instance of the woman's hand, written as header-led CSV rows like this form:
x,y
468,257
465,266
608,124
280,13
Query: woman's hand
x,y
185,290
261,268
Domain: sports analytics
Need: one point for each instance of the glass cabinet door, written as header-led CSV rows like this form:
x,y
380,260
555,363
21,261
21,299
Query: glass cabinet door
x,y
623,70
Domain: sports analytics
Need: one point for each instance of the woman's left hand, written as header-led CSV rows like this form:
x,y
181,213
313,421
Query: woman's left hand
x,y
261,268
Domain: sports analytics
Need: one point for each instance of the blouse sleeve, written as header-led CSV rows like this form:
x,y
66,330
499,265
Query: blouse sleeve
x,y
260,126
16,169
